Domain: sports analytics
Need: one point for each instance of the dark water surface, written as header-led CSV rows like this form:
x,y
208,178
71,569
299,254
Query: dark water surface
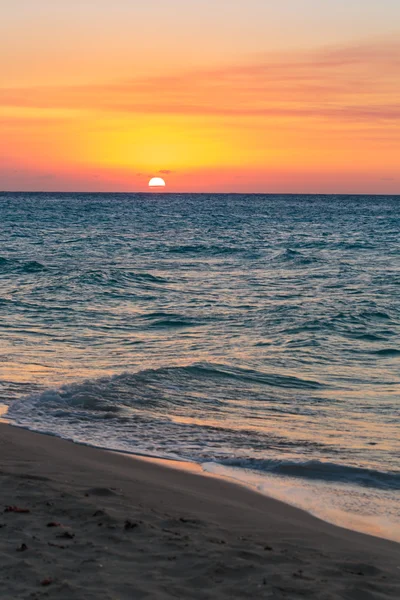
x,y
257,335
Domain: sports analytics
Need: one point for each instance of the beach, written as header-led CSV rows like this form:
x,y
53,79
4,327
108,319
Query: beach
x,y
110,526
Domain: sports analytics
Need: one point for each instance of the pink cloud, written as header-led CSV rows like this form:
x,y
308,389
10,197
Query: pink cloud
x,y
355,83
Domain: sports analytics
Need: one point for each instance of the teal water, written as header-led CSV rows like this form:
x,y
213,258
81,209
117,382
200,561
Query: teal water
x,y
256,335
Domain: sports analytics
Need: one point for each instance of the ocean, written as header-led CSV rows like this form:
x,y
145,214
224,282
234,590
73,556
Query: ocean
x,y
256,335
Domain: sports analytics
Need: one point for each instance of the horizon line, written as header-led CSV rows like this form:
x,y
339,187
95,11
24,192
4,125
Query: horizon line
x,y
159,193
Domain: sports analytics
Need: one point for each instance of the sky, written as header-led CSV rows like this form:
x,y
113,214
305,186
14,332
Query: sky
x,y
213,95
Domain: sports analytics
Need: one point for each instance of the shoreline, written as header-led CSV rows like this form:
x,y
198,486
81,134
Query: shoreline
x,y
343,520
130,526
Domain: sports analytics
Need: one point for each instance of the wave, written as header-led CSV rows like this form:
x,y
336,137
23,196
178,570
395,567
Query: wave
x,y
388,352
153,387
195,392
271,379
148,277
319,470
162,320
119,277
207,249
33,266
295,257
370,337
14,265
375,315
361,245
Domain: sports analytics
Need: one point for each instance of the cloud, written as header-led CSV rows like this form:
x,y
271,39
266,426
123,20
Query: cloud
x,y
165,171
356,83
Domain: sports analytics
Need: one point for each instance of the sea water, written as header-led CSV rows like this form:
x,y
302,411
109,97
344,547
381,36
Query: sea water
x,y
257,335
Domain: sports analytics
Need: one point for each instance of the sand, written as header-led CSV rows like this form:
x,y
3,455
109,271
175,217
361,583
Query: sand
x,y
108,526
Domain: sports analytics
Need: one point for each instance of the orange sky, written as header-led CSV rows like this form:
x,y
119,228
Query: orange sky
x,y
238,97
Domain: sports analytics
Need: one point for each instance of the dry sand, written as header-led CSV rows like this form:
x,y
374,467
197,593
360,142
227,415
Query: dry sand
x,y
107,526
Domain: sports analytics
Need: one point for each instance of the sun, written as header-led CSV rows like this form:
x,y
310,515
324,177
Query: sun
x,y
156,182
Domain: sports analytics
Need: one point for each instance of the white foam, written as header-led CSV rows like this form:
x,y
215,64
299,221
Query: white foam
x,y
340,504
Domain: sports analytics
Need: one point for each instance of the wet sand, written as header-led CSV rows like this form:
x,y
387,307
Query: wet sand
x,y
81,523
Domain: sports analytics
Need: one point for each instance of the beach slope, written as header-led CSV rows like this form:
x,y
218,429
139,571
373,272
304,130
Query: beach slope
x,y
108,526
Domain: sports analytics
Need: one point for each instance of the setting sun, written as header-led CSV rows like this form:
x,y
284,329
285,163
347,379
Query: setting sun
x,y
156,182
